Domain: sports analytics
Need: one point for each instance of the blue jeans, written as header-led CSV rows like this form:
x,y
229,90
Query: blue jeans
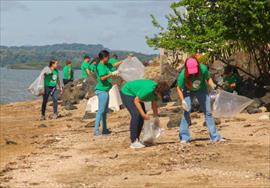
x,y
103,107
204,101
54,93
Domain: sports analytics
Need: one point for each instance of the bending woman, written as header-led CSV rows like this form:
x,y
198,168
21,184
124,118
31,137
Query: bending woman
x,y
133,94
192,82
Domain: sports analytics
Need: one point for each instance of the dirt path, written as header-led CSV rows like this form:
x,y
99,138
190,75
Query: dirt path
x,y
64,153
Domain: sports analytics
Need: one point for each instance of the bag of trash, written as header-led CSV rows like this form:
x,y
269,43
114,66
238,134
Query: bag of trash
x,y
151,130
114,103
131,69
37,87
228,104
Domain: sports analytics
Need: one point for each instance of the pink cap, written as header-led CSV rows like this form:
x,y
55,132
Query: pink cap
x,y
192,66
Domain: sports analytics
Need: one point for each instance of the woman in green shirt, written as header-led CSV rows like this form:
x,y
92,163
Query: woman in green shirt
x,y
104,84
50,83
68,73
133,94
193,81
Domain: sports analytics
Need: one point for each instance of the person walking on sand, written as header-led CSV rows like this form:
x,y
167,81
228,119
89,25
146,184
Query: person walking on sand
x,y
193,81
104,84
134,94
68,73
85,67
51,81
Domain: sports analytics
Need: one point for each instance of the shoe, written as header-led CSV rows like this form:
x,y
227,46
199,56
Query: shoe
x,y
106,131
183,142
54,116
42,118
97,133
222,140
137,145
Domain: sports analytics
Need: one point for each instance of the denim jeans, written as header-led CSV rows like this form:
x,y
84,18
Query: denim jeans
x,y
136,122
204,101
103,105
54,93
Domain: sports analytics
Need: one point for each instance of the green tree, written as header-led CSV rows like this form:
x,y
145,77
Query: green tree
x,y
219,28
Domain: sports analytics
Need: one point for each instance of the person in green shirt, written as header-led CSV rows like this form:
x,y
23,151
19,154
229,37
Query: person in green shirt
x,y
134,94
104,84
68,73
114,63
85,67
231,80
193,81
51,81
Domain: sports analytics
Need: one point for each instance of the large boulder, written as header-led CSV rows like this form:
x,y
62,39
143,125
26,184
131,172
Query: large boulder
x,y
78,90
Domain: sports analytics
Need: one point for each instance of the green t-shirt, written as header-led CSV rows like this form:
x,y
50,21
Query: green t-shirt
x,y
234,78
111,62
92,67
144,89
198,83
68,73
52,79
103,70
85,65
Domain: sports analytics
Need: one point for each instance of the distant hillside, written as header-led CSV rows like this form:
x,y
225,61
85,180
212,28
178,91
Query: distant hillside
x,y
37,56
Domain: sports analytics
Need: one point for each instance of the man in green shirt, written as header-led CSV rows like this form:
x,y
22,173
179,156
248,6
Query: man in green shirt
x,y
50,83
231,80
134,94
68,73
85,67
113,63
193,81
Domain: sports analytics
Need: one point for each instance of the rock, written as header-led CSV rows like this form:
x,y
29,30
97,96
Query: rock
x,y
264,117
10,142
256,103
42,126
78,90
173,122
263,109
247,125
253,110
70,107
267,106
68,126
217,121
89,115
195,115
265,99
90,125
114,156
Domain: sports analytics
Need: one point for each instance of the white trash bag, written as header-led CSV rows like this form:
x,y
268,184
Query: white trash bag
x,y
229,104
131,69
37,87
151,130
114,103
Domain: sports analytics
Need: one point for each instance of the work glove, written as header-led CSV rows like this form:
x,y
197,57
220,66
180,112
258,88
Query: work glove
x,y
115,73
185,105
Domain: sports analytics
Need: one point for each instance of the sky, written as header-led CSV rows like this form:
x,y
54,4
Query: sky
x,y
118,25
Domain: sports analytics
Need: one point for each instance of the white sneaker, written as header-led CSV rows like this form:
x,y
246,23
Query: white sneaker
x,y
183,142
136,145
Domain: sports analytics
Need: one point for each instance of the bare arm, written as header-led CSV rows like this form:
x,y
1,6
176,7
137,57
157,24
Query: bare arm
x,y
106,77
69,73
117,64
87,72
140,109
211,83
155,108
180,93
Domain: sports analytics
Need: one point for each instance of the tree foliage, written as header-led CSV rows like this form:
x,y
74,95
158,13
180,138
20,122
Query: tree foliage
x,y
219,28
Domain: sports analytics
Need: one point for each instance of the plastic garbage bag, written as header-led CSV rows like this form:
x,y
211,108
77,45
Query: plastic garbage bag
x,y
229,104
114,103
37,87
151,130
131,69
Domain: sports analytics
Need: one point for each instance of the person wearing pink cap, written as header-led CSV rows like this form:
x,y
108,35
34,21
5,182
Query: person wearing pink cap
x,y
193,81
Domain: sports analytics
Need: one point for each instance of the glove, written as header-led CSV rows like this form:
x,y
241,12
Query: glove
x,y
185,105
213,86
115,73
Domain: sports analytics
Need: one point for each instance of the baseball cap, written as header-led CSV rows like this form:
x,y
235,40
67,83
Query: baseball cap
x,y
192,66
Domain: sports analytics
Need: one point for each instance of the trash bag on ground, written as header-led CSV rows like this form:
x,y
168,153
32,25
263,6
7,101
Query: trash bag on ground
x,y
114,103
228,104
131,69
37,87
151,130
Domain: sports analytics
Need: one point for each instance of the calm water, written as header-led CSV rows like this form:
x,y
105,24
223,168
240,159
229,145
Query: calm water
x,y
14,84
